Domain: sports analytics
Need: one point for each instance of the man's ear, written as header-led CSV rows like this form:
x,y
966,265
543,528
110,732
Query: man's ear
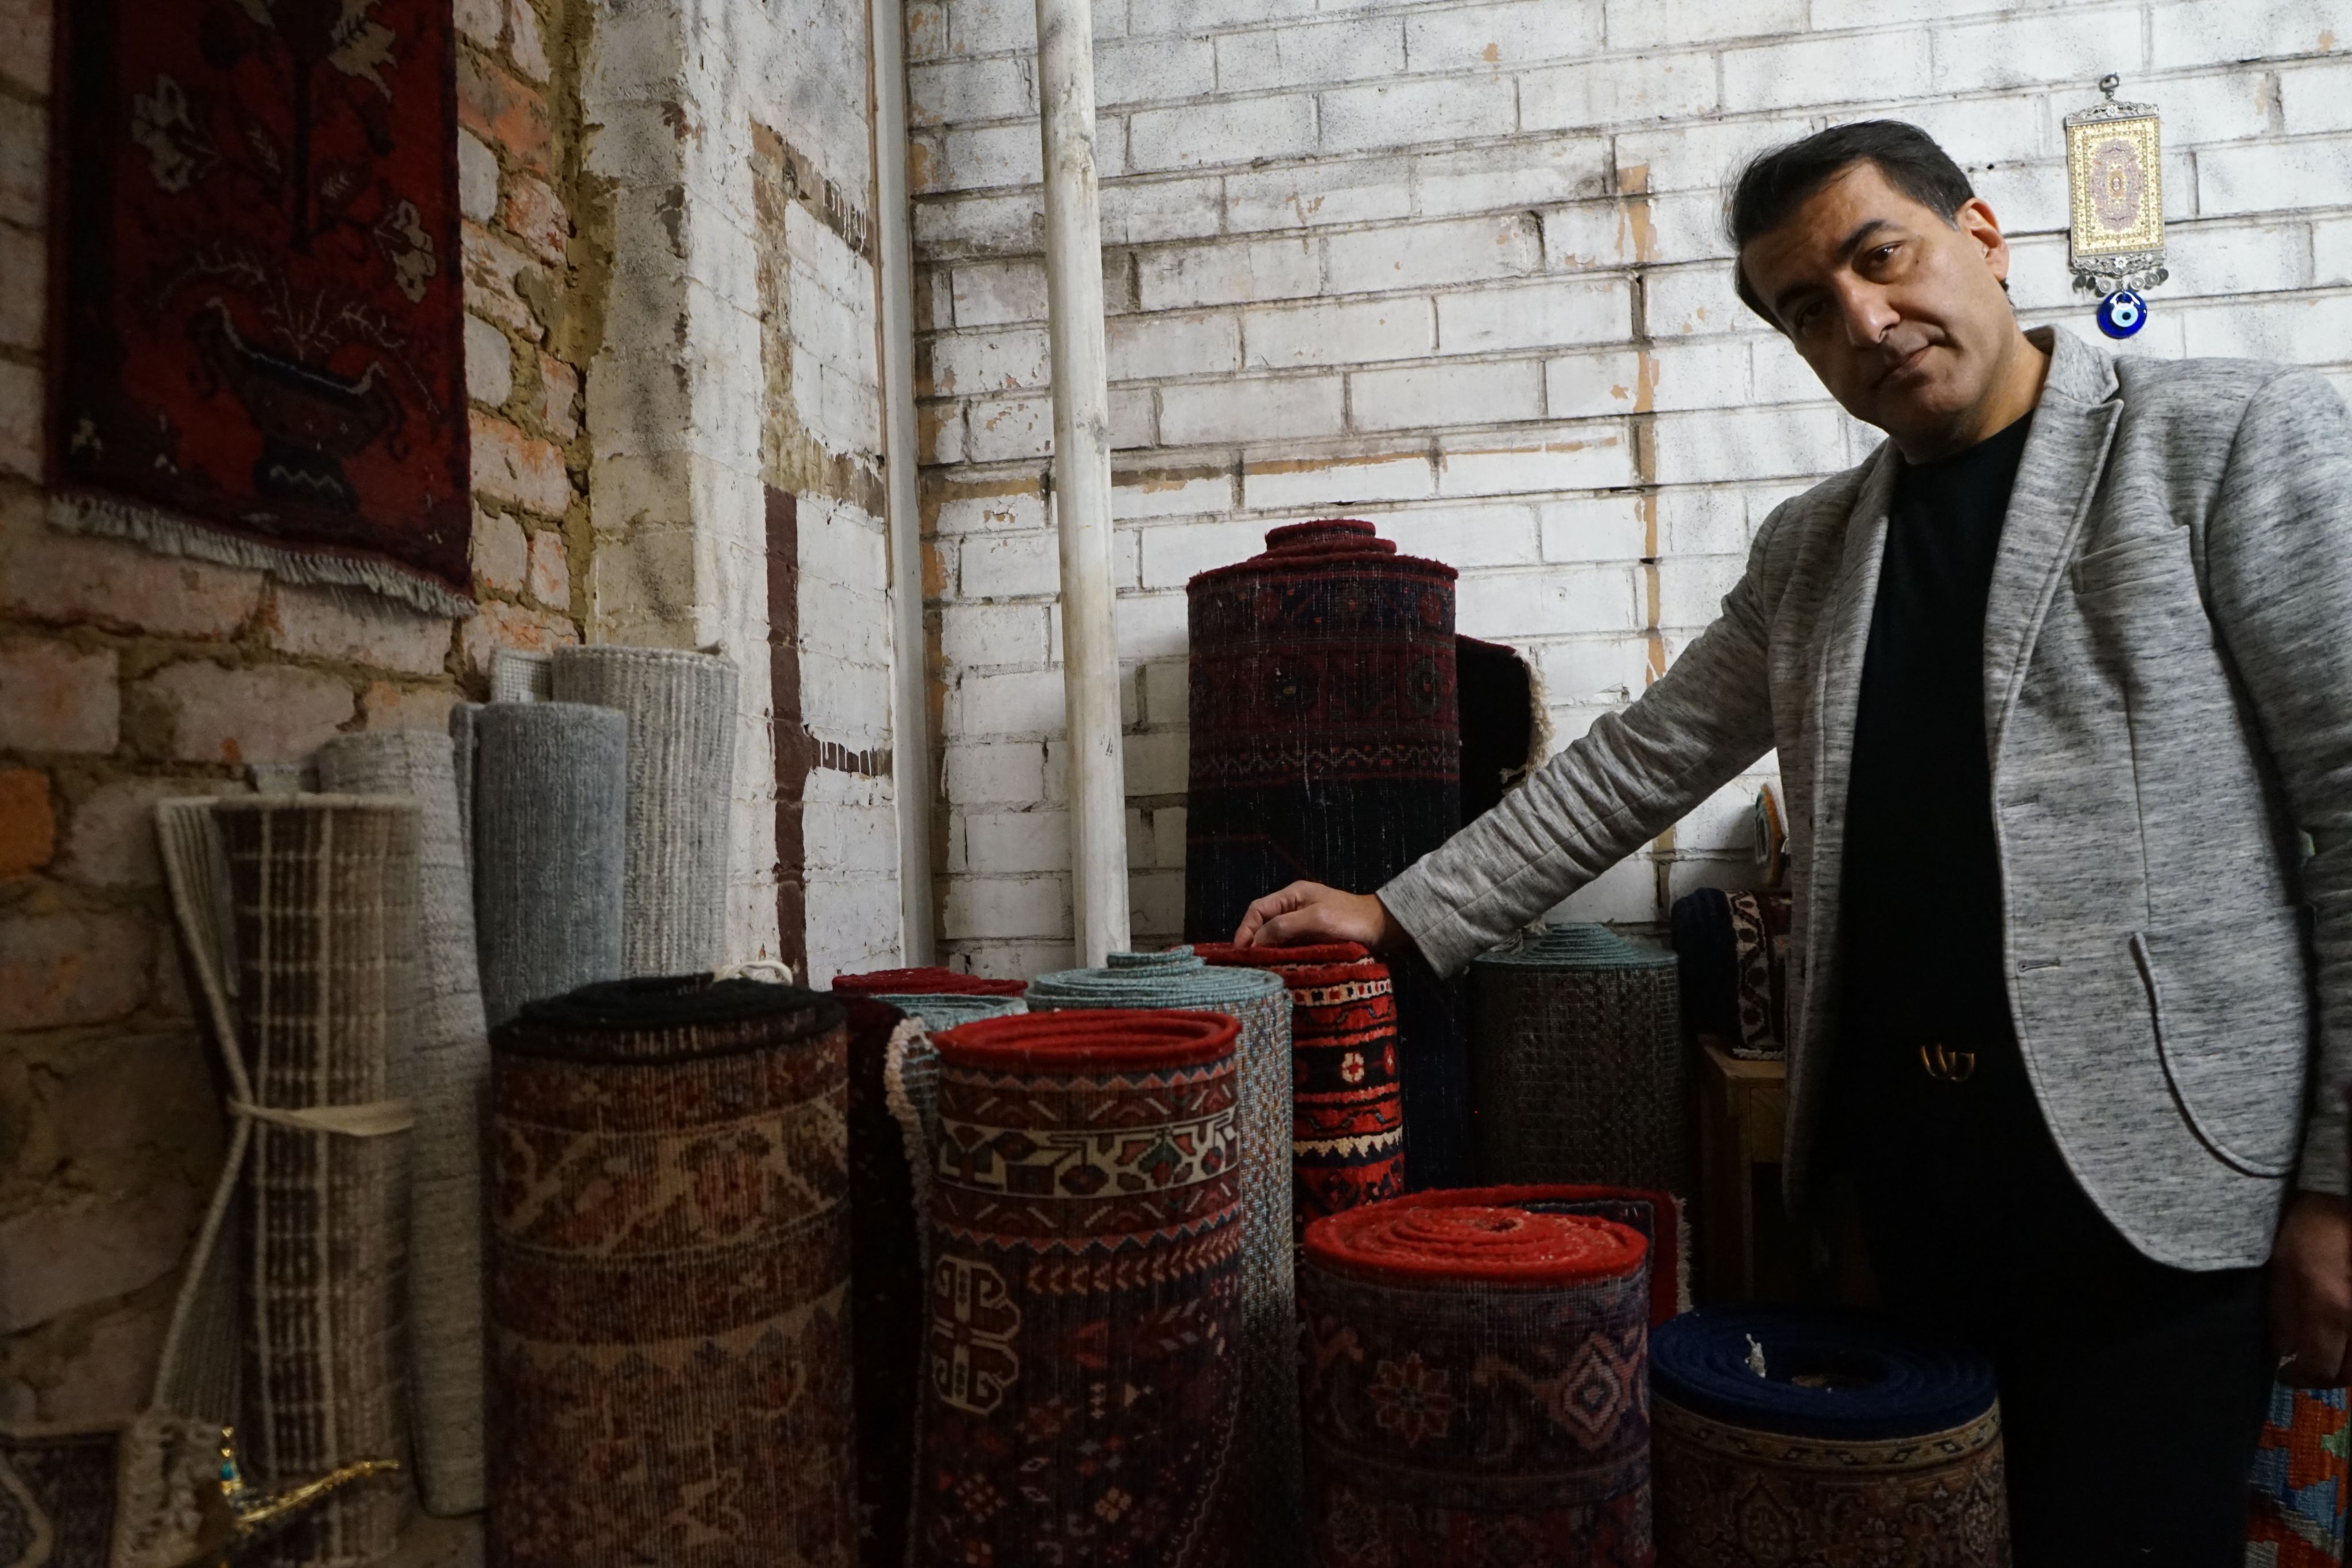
x,y
1975,219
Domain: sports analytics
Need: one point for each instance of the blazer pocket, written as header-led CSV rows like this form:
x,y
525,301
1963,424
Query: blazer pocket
x,y
2142,559
2230,1009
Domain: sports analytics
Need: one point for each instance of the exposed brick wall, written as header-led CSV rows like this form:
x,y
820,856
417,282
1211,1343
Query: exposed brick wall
x,y
1456,267
128,677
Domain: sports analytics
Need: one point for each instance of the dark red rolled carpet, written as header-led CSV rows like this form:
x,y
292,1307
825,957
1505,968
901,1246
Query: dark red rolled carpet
x,y
1657,1216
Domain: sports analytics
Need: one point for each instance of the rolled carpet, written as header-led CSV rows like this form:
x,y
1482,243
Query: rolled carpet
x,y
2300,1481
1734,954
1475,1389
1346,1128
324,894
1085,1294
550,793
1780,1435
1577,1064
443,1067
681,712
669,1279
1257,1000
1655,1217
517,676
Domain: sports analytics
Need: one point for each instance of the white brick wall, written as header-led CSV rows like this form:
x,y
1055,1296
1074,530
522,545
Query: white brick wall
x,y
1456,267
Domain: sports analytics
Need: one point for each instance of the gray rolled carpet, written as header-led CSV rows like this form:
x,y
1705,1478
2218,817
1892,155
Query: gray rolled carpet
x,y
551,791
681,712
464,749
442,1064
520,677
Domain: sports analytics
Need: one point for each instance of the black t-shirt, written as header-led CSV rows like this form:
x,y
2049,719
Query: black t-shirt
x,y
1922,910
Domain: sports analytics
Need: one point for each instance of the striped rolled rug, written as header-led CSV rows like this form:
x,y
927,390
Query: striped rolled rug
x,y
1347,1127
1781,1435
1081,1400
1474,1388
669,1281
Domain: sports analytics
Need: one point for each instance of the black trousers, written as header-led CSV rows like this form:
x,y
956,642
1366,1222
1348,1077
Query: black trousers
x,y
2132,1394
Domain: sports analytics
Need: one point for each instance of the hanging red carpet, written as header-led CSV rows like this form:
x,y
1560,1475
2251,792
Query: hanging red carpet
x,y
2300,1481
1782,1435
669,1351
260,356
1475,1389
1085,1294
1325,744
1347,1116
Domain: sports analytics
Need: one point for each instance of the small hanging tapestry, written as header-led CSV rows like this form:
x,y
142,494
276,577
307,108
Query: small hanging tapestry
x,y
1325,744
669,1357
2299,1481
1787,1436
1475,1389
1085,1294
1347,1120
260,357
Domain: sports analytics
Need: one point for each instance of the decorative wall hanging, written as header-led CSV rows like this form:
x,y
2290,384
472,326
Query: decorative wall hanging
x,y
1578,1062
1268,1478
551,813
669,1354
2114,182
1083,1391
1784,1436
2300,1481
1656,1216
1347,1126
681,712
256,349
1327,745
1475,1389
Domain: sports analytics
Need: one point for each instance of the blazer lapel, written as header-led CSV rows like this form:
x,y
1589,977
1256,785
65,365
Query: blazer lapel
x,y
2074,426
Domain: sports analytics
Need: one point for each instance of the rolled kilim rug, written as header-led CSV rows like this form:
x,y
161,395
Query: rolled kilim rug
x,y
1257,1000
681,712
1085,1294
1784,1436
1326,744
551,796
1655,1217
1474,1388
324,891
1347,1127
1578,1062
2300,1481
443,1067
886,1204
669,1280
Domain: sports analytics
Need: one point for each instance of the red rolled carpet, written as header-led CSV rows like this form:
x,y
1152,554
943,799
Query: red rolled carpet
x,y
1081,1396
1657,1216
1347,1110
1474,1388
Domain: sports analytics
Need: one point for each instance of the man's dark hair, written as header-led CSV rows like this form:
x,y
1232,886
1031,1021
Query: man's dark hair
x,y
1779,181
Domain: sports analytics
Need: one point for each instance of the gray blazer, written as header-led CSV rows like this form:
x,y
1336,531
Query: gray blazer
x,y
2167,698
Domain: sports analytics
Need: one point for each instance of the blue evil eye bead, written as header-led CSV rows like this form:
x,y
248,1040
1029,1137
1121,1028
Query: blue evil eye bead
x,y
2122,313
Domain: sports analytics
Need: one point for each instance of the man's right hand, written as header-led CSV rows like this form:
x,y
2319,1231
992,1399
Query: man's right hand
x,y
1309,912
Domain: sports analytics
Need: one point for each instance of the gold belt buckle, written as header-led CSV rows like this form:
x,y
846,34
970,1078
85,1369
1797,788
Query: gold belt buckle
x,y
1945,1065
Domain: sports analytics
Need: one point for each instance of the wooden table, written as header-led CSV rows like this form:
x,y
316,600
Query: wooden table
x,y
1742,1118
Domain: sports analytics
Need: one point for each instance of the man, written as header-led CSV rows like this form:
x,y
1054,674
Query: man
x,y
2056,675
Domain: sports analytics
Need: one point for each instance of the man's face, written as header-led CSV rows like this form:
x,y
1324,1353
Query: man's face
x,y
1900,313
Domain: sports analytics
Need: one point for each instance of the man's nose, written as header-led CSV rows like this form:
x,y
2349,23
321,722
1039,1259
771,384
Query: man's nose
x,y
1868,317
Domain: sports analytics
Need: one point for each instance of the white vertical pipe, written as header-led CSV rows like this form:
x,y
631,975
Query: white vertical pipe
x,y
1074,293
910,740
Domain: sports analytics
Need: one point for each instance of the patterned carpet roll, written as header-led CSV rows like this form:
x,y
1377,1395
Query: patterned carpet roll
x,y
1655,1217
1085,1295
1578,1062
1734,952
669,1283
1347,1127
324,891
444,1068
681,712
1326,744
1474,1388
1256,999
551,796
2300,1481
1786,1436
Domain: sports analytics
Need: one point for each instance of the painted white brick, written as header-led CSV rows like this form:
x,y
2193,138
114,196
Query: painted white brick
x,y
1527,32
1854,68
1150,348
1710,521
1282,337
478,178
1149,626
1259,409
2212,32
1330,191
1627,890
998,293
968,362
1581,457
2311,98
2227,106
1981,132
2030,198
1683,301
1747,442
974,636
2274,178
1011,566
1144,212
2315,331
1208,135
1332,482
1177,278
997,155
1559,601
1620,91
1586,385
967,225
1501,176
1465,250
1470,538
1174,552
1009,512
1004,428
2078,43
2331,252
1153,71
2234,258
1702,373
1013,841
1655,23
1777,373
961,90
1409,113
1026,702
1605,527
1703,155
1420,396
1538,316
1154,16
995,771
1592,234
1166,697
1306,55
490,363
1691,588
998,907
1594,669
1178,495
